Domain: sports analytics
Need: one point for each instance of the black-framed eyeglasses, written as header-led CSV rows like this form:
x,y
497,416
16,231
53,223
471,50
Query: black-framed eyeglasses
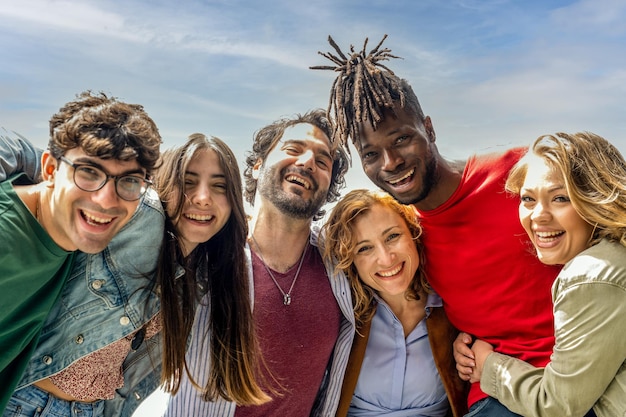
x,y
91,178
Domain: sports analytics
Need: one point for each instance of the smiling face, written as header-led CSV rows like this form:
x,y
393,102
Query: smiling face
x,y
398,156
296,174
83,220
385,255
206,206
548,216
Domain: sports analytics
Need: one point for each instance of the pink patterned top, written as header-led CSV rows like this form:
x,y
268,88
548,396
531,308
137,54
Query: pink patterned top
x,y
97,375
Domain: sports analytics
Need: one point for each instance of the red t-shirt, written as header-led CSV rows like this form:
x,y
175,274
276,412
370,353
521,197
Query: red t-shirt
x,y
296,340
481,262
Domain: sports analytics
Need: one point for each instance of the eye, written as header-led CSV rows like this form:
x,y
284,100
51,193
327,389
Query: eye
x,y
220,187
392,237
89,172
562,199
363,249
292,150
131,181
402,139
526,199
369,156
323,163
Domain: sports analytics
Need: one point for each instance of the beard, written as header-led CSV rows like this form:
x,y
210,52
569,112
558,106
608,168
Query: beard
x,y
430,178
290,203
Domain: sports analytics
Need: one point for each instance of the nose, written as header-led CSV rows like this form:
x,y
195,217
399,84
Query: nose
x,y
106,196
391,160
307,160
539,213
385,256
201,197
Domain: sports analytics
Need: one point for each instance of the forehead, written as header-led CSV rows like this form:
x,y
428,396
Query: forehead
x,y
376,220
393,121
540,173
205,160
306,132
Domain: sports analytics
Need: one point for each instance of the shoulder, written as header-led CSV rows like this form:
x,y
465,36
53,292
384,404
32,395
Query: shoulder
x,y
506,157
604,262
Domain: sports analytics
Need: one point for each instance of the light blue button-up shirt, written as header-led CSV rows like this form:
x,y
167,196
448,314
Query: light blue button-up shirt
x,y
398,377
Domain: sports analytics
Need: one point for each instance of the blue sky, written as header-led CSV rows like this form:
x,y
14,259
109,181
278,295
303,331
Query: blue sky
x,y
490,73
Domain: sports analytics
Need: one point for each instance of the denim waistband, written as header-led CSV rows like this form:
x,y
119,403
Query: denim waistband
x,y
45,404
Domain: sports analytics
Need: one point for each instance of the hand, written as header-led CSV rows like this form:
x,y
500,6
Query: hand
x,y
481,350
464,356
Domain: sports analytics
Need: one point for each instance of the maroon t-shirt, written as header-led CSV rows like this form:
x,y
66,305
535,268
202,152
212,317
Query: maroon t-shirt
x,y
296,340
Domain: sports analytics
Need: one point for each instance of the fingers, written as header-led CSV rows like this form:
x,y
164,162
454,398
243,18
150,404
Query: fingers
x,y
464,356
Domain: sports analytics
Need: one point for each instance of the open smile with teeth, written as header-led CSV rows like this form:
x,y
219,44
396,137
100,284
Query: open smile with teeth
x,y
403,178
299,181
392,272
199,217
548,236
94,220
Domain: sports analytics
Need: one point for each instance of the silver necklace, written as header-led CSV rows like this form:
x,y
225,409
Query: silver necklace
x,y
286,295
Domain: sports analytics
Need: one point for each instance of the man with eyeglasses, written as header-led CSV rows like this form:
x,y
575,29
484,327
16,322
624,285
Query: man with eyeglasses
x,y
94,174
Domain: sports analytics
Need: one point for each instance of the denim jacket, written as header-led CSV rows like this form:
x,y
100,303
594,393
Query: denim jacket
x,y
106,297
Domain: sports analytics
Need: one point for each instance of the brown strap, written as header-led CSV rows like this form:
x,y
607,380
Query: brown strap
x,y
353,369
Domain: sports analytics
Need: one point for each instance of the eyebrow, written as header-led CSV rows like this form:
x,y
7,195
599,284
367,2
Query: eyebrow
x,y
302,142
195,174
387,230
557,187
86,161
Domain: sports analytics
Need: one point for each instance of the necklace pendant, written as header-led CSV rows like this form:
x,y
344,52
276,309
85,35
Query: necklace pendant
x,y
287,299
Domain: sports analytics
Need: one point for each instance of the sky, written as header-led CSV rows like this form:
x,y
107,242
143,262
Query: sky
x,y
490,73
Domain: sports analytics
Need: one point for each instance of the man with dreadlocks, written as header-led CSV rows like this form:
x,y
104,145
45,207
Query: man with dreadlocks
x,y
477,255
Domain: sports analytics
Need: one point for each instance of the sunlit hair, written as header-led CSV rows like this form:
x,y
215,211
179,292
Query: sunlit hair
x,y
266,139
340,243
216,267
106,128
365,90
594,173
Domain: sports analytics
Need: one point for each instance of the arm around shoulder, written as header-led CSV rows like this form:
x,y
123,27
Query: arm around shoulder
x,y
17,154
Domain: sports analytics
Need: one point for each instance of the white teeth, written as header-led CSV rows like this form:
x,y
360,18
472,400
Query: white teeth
x,y
548,234
91,219
391,273
199,217
298,180
394,182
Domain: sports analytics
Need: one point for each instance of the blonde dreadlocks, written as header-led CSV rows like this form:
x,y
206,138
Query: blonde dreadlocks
x,y
364,89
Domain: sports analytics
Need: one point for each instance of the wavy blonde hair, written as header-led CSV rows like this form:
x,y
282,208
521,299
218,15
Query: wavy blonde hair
x,y
340,243
594,173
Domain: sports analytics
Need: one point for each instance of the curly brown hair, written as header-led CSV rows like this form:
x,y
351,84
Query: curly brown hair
x,y
106,128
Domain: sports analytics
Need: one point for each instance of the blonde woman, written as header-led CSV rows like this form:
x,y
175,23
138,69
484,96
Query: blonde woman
x,y
572,191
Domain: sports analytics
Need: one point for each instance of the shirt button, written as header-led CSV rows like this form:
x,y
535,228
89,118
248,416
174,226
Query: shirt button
x,y
124,321
79,339
97,284
47,360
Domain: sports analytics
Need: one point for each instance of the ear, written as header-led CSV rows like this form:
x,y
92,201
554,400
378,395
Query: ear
x,y
49,165
256,168
430,130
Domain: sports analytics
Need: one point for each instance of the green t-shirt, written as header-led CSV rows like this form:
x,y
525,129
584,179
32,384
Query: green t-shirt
x,y
33,269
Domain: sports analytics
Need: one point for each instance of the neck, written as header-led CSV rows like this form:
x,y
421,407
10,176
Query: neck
x,y
449,176
31,196
409,312
281,239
